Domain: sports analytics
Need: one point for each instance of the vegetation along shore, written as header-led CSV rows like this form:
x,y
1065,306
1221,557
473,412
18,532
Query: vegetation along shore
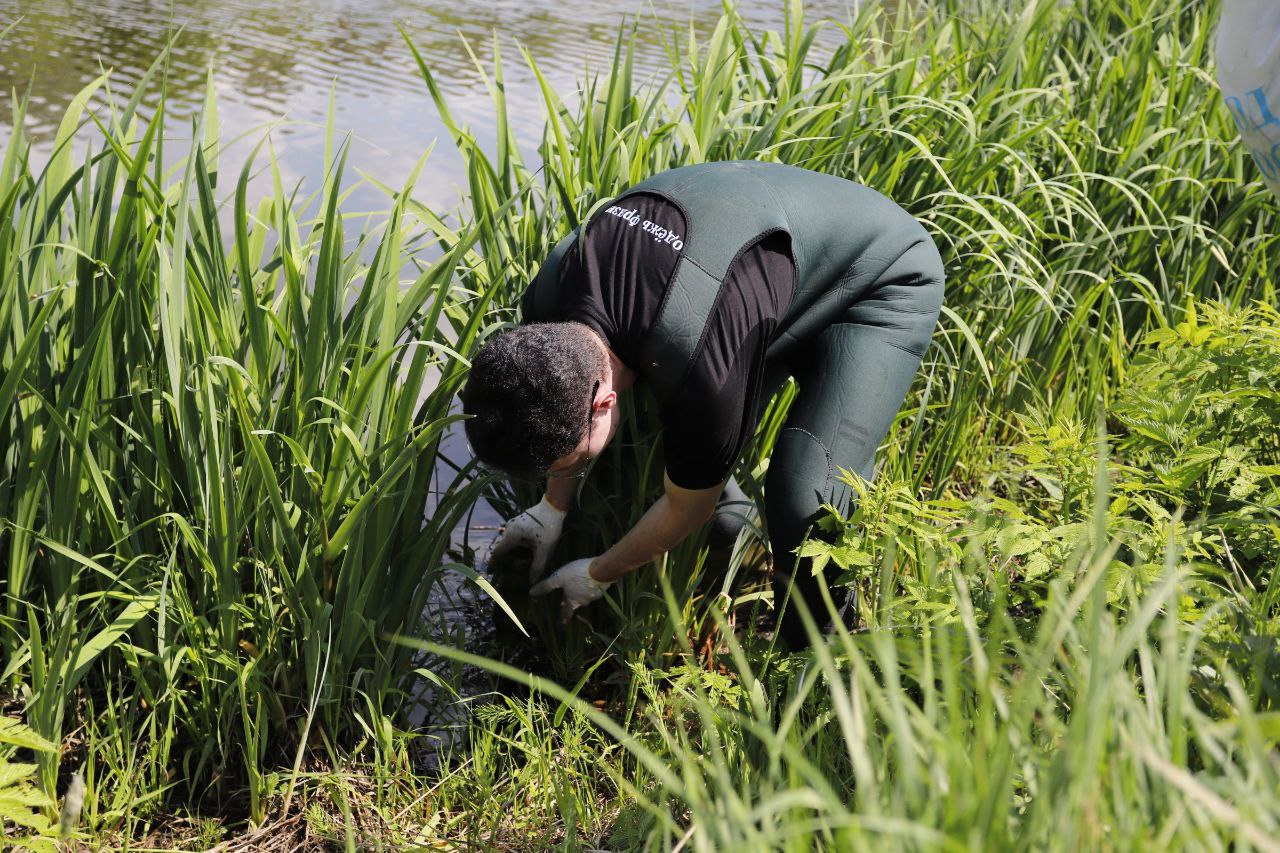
x,y
221,421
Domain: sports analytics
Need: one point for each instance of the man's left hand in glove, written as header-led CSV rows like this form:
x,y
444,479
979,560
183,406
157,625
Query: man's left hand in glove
x,y
575,582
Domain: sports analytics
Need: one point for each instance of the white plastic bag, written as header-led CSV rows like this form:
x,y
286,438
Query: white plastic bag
x,y
1249,74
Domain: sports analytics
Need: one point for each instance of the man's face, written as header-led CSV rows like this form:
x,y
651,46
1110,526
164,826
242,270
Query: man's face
x,y
604,423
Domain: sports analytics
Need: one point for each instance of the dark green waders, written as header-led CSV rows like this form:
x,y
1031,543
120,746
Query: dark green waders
x,y
868,291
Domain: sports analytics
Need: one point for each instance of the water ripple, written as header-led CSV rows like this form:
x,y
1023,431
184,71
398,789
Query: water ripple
x,y
274,59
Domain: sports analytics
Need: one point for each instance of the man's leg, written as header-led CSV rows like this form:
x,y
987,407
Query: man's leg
x,y
853,378
733,512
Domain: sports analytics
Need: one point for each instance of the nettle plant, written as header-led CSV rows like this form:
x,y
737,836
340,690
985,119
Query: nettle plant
x,y
1200,407
900,553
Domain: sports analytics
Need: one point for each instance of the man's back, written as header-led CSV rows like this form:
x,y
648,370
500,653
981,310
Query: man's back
x,y
615,282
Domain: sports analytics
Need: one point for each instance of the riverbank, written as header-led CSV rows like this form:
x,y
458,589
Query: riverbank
x,y
217,452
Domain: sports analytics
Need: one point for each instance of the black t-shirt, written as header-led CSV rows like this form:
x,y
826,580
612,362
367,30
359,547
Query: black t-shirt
x,y
616,284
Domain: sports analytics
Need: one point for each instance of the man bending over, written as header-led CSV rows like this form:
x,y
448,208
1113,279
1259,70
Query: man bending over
x,y
712,283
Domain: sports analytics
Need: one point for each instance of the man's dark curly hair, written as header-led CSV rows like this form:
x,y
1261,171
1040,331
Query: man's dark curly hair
x,y
529,396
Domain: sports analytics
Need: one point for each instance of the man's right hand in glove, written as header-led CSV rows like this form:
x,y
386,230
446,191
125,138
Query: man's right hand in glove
x,y
538,529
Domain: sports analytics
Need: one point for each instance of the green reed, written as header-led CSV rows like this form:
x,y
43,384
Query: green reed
x,y
1077,170
1098,726
218,450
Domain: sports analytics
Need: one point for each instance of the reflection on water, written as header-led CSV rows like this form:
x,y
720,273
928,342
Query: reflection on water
x,y
277,60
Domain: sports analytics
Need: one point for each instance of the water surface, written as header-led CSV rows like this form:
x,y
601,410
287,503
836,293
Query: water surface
x,y
276,64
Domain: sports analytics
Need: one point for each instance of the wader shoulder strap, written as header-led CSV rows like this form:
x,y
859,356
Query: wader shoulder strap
x,y
843,235
726,209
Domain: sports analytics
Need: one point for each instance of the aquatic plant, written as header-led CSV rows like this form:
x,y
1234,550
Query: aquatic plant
x,y
220,427
1075,210
1020,668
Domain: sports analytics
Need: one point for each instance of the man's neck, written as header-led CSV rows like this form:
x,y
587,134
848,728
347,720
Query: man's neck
x,y
620,376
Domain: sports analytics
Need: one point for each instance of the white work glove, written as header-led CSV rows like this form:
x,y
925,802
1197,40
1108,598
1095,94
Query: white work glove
x,y
537,528
578,586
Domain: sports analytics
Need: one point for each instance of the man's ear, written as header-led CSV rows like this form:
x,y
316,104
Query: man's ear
x,y
606,401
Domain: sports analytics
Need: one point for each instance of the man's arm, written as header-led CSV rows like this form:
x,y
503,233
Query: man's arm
x,y
672,517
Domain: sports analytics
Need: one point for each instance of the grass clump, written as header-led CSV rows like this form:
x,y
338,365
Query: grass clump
x,y
1050,649
1075,209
